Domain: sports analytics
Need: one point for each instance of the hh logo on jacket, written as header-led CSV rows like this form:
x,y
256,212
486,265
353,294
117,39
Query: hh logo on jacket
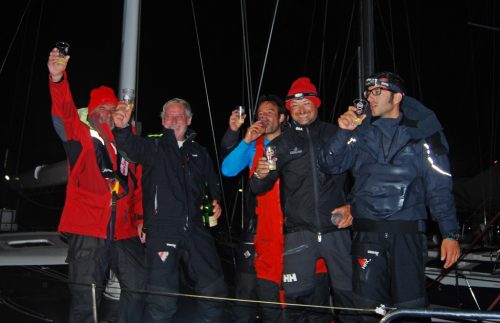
x,y
289,278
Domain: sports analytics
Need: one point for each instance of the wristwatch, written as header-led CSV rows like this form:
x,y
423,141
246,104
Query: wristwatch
x,y
453,236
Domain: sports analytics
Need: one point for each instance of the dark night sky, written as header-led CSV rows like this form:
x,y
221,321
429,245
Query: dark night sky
x,y
449,64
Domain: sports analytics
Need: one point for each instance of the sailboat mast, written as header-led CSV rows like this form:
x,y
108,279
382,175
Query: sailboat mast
x,y
366,52
130,37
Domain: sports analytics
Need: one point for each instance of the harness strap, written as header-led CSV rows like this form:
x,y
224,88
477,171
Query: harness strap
x,y
364,225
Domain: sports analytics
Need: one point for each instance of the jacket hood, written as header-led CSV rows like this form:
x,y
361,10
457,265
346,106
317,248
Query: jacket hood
x,y
421,121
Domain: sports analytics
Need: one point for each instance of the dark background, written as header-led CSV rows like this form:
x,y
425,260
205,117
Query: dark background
x,y
449,63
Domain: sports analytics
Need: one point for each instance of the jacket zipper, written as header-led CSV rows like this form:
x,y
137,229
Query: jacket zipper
x,y
315,180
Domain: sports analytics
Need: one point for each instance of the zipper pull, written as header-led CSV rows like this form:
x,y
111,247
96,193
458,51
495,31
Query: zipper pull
x,y
319,236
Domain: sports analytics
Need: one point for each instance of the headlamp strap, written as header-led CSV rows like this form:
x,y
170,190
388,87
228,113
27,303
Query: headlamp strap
x,y
374,82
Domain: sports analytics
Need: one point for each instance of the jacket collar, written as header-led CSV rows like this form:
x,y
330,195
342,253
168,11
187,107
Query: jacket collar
x,y
190,134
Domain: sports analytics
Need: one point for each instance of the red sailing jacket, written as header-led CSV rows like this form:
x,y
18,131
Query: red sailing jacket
x,y
87,209
269,234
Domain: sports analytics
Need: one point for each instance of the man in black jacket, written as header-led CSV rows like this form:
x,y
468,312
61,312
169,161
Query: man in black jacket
x,y
175,170
308,199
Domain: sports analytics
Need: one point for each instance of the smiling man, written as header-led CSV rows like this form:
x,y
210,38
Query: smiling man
x,y
102,214
397,153
308,197
176,169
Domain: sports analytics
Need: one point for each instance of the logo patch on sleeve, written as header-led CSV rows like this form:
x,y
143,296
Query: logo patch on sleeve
x,y
124,167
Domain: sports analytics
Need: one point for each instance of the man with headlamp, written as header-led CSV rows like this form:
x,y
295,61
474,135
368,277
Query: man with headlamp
x,y
397,154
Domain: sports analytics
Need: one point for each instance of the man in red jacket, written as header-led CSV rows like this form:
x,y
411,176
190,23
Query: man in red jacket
x,y
102,215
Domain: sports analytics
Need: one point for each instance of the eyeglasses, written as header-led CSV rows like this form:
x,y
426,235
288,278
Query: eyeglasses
x,y
375,91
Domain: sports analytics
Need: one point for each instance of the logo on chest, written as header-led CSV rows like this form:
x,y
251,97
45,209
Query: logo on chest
x,y
295,151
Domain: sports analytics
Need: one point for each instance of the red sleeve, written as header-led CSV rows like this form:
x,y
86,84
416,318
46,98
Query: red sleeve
x,y
64,113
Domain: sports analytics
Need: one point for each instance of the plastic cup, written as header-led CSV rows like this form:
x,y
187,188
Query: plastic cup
x,y
128,97
271,157
63,49
337,217
241,114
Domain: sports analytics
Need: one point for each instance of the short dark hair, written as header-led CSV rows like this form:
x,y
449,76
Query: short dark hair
x,y
274,99
391,78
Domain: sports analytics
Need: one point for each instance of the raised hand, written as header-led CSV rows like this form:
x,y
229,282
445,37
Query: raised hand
x,y
234,120
57,65
254,131
121,115
349,120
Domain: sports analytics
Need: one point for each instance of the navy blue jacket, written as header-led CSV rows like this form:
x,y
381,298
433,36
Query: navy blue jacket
x,y
173,178
398,182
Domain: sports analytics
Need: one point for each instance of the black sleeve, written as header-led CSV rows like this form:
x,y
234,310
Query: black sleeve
x,y
229,141
133,146
260,186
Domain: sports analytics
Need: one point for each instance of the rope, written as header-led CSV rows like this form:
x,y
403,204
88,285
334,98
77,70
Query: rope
x,y
15,36
388,313
335,102
23,310
28,92
267,53
246,58
376,310
218,162
98,289
243,300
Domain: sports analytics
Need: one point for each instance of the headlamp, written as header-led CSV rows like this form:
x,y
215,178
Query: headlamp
x,y
300,95
389,86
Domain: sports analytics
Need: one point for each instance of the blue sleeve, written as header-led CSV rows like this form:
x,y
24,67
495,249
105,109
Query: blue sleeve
x,y
238,159
439,196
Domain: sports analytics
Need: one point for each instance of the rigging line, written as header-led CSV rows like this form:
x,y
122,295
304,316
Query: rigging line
x,y
267,53
15,36
252,301
28,92
343,83
250,103
412,51
210,113
246,57
321,83
18,77
483,26
23,310
309,39
234,201
341,76
388,35
393,44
